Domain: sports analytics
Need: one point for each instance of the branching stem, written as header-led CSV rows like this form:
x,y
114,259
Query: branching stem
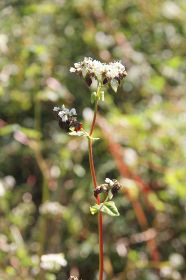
x,y
93,175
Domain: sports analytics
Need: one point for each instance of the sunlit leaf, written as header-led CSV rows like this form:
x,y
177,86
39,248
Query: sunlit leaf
x,y
108,208
94,209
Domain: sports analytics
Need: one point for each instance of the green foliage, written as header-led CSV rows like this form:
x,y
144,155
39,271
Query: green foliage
x,y
107,207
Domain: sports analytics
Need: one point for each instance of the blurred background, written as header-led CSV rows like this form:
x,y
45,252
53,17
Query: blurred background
x,y
45,184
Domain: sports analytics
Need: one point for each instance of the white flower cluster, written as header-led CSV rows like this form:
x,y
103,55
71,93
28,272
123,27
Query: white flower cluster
x,y
53,209
53,262
104,73
109,182
65,113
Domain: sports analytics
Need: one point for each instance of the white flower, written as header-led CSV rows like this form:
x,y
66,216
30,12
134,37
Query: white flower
x,y
104,73
53,209
65,113
53,262
72,112
56,109
72,69
109,182
63,116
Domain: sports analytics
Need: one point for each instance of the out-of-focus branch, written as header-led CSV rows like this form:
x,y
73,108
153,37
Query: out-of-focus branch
x,y
116,151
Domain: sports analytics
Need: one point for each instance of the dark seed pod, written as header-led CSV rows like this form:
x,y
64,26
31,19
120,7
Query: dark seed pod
x,y
88,80
97,191
105,81
63,125
104,188
78,126
73,123
116,187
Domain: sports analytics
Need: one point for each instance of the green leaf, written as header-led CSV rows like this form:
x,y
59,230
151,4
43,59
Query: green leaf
x,y
109,208
114,84
95,209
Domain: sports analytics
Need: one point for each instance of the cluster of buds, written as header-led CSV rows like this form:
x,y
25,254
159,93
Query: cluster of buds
x,y
67,118
111,73
110,185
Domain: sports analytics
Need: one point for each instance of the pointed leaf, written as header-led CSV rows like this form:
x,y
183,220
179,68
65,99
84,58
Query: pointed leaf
x,y
109,208
94,209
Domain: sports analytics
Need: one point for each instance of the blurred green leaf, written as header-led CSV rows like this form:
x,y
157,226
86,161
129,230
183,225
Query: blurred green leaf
x,y
108,208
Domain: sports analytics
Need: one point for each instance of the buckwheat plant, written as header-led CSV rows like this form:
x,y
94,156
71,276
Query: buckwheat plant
x,y
103,75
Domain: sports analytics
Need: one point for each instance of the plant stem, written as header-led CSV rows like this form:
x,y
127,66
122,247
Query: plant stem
x,y
94,118
93,175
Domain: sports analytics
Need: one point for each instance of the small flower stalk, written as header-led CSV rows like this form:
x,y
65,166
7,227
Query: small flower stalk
x,y
106,75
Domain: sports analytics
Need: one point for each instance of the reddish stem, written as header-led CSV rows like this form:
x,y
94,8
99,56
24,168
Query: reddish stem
x,y
93,175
